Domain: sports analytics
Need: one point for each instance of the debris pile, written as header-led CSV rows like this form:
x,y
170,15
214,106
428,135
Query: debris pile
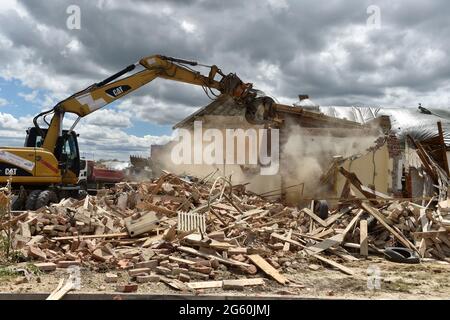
x,y
197,234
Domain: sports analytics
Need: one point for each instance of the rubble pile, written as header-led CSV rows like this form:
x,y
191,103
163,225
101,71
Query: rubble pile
x,y
197,234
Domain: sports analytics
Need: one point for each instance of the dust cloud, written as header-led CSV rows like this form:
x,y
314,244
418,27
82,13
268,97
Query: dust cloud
x,y
304,157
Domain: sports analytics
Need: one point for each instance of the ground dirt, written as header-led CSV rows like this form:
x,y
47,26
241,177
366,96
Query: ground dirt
x,y
428,280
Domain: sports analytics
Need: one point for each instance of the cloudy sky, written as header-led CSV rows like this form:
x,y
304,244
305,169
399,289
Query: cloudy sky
x,y
387,53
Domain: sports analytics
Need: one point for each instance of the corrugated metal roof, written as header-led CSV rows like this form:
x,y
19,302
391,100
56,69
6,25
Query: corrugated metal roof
x,y
404,121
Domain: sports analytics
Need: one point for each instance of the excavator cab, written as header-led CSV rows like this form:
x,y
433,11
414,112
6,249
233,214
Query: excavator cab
x,y
66,150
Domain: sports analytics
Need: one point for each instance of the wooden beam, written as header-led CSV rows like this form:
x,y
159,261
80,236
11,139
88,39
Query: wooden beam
x,y
377,215
280,237
240,283
351,224
325,244
364,248
287,244
335,264
93,236
316,255
61,290
443,148
423,157
210,256
205,284
267,268
358,184
423,219
315,217
181,260
13,221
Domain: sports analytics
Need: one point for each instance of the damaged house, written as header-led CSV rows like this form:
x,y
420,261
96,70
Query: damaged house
x,y
381,147
416,144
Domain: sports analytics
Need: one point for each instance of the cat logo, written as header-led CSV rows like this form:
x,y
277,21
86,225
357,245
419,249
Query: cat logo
x,y
117,91
10,172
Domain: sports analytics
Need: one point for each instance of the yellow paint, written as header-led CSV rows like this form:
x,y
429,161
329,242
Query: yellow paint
x,y
41,174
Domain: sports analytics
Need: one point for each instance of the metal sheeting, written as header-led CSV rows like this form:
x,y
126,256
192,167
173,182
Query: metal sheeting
x,y
404,120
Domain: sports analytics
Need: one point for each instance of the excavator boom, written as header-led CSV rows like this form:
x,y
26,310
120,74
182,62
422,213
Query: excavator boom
x,y
109,90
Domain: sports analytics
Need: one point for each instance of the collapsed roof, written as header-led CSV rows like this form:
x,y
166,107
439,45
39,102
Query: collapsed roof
x,y
226,106
419,123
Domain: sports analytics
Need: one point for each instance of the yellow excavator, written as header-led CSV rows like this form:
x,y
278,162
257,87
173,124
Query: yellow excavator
x,y
46,169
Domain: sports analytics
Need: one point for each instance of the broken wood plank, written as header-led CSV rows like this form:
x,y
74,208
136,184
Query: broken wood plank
x,y
205,284
267,268
250,213
364,249
287,244
160,182
61,291
332,219
376,193
13,221
324,233
423,219
357,183
315,217
45,266
181,260
334,240
341,252
153,207
317,231
325,244
424,157
240,283
93,236
210,256
334,264
175,284
377,215
351,224
284,239
422,247
152,240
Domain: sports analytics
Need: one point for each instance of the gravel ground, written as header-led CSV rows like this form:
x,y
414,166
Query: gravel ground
x,y
427,280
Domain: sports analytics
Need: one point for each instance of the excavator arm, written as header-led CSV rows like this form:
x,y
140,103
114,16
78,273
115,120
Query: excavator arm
x,y
109,90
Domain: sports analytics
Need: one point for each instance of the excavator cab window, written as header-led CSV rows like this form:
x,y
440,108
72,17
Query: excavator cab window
x,y
67,153
66,150
33,139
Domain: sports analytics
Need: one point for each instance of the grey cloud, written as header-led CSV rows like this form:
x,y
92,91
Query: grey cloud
x,y
409,52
